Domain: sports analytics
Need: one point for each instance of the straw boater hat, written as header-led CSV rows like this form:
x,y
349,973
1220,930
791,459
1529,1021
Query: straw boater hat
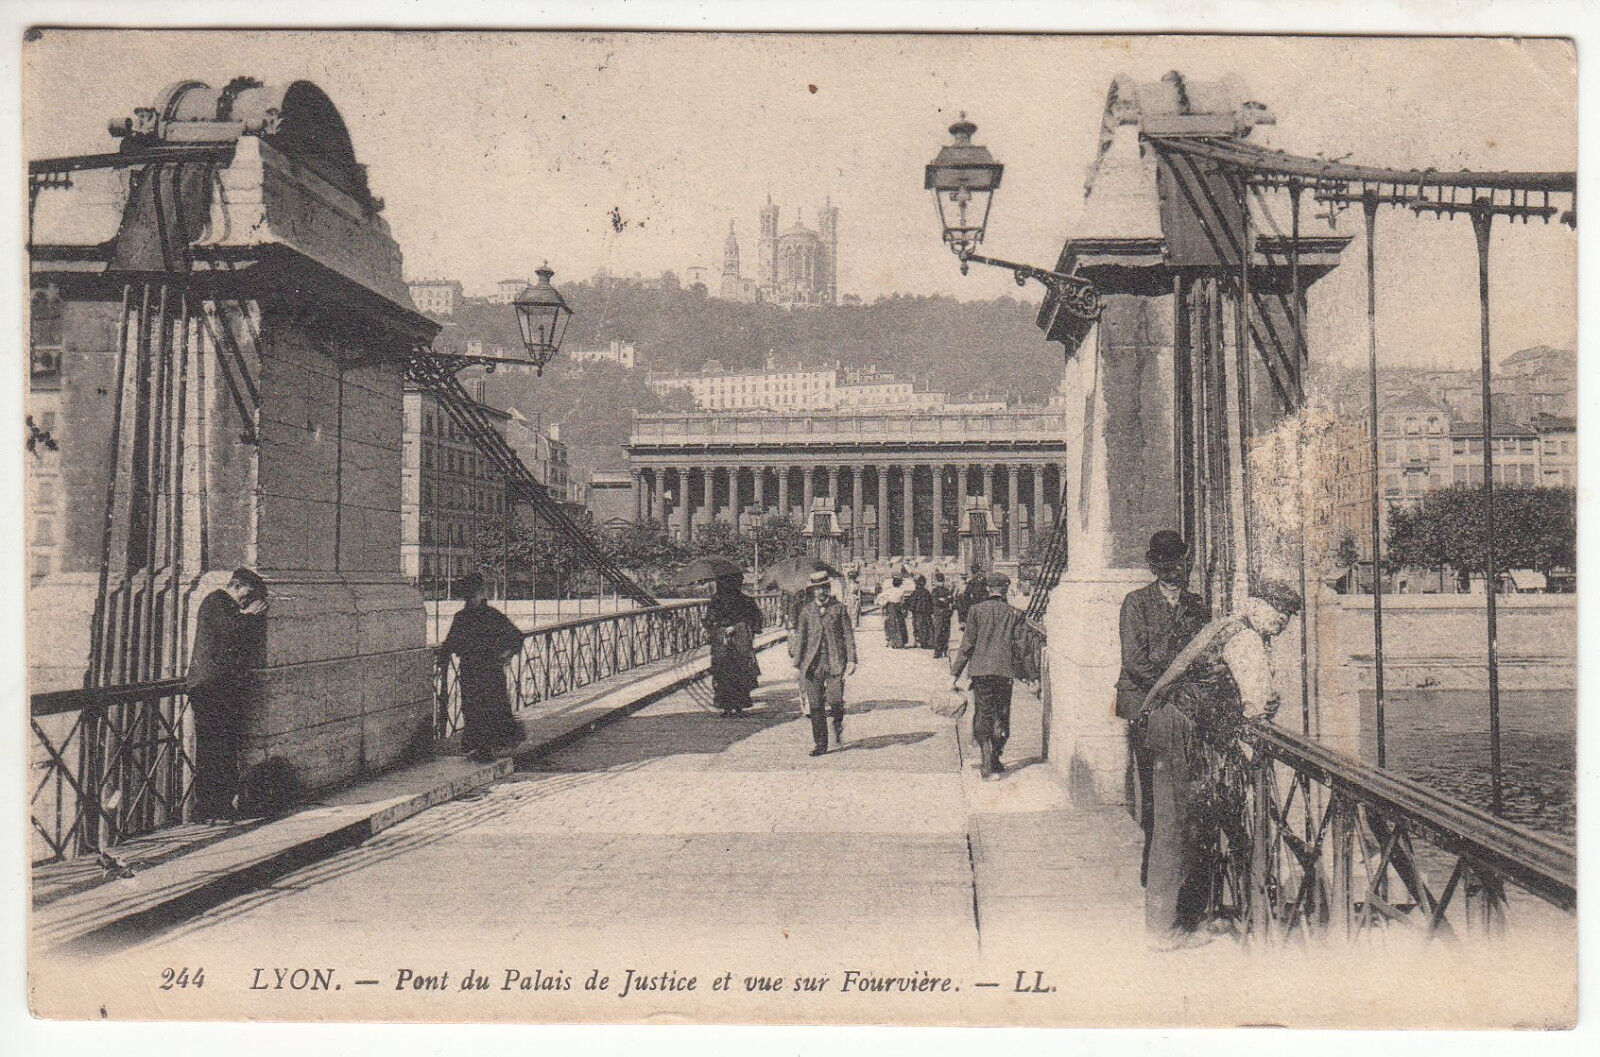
x,y
819,579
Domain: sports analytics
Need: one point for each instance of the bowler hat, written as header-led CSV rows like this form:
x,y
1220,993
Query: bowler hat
x,y
470,585
1166,548
819,579
1279,596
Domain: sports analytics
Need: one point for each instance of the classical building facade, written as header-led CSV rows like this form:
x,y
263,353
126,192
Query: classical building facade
x,y
934,485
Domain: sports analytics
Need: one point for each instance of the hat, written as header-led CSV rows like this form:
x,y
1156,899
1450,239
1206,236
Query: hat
x,y
1279,596
250,578
997,583
1166,548
470,585
820,578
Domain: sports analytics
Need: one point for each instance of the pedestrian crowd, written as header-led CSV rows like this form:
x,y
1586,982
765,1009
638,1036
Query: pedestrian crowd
x,y
1189,684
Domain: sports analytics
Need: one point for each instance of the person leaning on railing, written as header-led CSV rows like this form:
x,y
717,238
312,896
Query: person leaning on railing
x,y
1193,717
484,639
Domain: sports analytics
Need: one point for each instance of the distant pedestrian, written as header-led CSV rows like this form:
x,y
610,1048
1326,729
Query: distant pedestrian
x,y
823,648
852,589
943,603
483,639
975,591
228,636
892,600
988,654
920,604
733,620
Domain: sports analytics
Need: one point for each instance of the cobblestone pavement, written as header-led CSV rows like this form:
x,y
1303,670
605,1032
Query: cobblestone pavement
x,y
680,826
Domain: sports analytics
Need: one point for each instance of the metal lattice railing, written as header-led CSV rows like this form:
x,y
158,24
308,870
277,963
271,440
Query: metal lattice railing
x,y
560,658
108,764
1333,845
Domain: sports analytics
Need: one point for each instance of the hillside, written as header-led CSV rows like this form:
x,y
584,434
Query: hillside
x,y
958,346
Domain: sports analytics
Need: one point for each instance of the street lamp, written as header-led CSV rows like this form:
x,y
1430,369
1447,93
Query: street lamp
x,y
963,179
542,316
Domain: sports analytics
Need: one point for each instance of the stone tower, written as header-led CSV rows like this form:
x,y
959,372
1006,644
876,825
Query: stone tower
x,y
730,264
767,265
828,260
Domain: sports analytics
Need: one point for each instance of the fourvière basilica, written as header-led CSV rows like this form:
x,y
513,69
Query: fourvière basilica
x,y
794,266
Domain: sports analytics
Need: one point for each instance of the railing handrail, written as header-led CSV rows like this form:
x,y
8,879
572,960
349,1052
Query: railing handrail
x,y
1542,865
598,618
88,699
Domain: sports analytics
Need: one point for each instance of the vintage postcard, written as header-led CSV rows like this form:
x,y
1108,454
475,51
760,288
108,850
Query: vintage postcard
x,y
784,528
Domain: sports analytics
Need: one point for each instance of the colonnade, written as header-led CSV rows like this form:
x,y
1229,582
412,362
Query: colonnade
x,y
885,509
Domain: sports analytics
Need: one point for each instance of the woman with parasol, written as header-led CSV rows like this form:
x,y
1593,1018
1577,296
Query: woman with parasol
x,y
732,622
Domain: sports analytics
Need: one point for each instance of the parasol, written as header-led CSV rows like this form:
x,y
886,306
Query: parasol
x,y
702,569
791,574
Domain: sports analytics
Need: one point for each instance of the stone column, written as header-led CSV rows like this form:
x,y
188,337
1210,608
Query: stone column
x,y
1013,518
938,511
733,496
760,473
808,491
783,490
883,510
961,503
638,495
858,532
685,502
908,521
833,487
988,485
1039,522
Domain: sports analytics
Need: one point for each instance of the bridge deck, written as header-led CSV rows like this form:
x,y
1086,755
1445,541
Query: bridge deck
x,y
679,840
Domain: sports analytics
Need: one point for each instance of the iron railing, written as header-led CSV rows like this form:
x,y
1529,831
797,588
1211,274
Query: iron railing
x,y
558,658
1331,845
108,763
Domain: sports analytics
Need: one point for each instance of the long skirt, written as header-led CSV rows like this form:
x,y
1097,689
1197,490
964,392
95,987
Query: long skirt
x,y
894,625
735,672
487,722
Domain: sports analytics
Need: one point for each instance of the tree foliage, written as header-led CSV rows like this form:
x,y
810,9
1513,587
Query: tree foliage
x,y
1535,528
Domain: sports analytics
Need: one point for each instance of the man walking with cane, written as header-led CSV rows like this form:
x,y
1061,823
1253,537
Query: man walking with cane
x,y
988,656
823,648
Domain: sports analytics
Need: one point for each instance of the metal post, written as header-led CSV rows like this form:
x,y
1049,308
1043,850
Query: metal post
x,y
1369,206
1482,214
1242,341
1297,326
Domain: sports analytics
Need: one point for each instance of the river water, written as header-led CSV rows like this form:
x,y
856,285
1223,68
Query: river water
x,y
1441,738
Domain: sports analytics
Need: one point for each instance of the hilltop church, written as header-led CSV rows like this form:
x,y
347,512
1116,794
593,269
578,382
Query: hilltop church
x,y
797,266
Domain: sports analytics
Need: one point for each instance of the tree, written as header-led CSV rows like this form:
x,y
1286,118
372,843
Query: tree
x,y
1535,528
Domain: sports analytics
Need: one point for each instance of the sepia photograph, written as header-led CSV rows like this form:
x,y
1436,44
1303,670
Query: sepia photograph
x,y
934,529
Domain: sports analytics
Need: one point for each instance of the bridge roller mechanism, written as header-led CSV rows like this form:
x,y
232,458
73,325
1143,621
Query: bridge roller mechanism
x,y
437,375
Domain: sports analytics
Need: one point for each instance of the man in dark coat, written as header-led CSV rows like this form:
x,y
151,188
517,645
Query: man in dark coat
x,y
483,639
228,634
920,605
943,603
823,648
988,656
1157,622
976,591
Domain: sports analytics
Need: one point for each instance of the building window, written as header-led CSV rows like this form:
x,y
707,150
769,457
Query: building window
x,y
45,335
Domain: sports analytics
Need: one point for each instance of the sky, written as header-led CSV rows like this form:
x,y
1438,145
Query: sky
x,y
495,151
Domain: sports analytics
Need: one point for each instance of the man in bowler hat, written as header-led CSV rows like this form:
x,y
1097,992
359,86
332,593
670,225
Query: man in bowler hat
x,y
823,648
1157,622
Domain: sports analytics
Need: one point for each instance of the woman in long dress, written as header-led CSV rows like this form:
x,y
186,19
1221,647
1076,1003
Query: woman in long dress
x,y
893,600
483,639
1194,716
733,620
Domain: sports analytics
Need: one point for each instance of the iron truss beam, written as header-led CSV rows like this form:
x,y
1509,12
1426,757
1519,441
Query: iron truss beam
x,y
1524,195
